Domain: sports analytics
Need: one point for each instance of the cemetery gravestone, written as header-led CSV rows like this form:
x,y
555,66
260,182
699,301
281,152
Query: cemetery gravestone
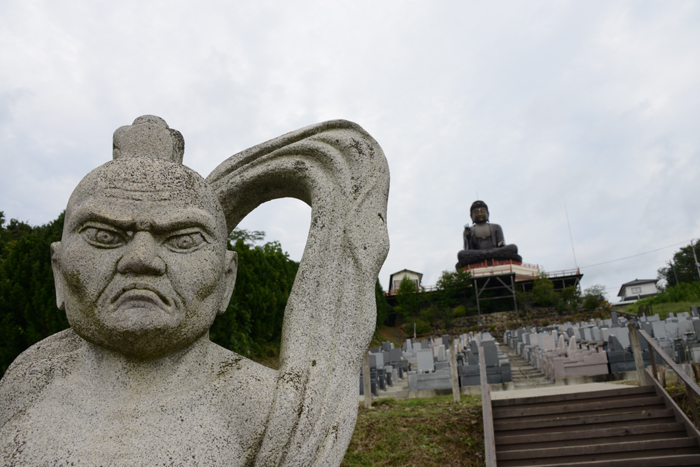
x,y
425,361
659,328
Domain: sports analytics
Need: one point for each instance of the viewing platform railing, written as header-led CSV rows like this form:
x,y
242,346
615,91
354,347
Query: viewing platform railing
x,y
519,277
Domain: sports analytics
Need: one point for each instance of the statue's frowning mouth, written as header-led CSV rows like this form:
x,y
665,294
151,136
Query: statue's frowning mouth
x,y
140,293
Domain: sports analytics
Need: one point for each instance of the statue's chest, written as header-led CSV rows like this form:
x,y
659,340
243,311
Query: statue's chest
x,y
482,231
68,428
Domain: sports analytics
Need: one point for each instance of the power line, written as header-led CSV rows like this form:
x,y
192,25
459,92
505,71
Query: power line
x,y
634,256
570,237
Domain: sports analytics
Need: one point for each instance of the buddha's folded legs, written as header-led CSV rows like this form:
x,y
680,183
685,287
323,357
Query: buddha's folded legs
x,y
467,257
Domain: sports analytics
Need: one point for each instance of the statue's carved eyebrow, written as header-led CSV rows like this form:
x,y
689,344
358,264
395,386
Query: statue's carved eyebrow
x,y
182,219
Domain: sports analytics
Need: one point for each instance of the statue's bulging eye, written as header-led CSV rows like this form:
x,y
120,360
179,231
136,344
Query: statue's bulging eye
x,y
103,237
185,242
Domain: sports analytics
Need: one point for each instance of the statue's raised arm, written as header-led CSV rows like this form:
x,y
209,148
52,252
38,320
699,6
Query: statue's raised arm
x,y
341,172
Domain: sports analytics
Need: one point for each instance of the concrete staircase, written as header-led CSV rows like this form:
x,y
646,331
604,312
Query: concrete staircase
x,y
524,374
629,426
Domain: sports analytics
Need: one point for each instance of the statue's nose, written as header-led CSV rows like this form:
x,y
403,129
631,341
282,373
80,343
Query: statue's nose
x,y
141,256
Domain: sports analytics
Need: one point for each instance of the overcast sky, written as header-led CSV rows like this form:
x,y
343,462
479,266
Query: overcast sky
x,y
538,106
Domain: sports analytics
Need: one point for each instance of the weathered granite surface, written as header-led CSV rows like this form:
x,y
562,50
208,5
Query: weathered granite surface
x,y
142,270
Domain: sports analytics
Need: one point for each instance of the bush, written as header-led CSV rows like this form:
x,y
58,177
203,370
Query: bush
x,y
511,325
562,307
459,311
684,292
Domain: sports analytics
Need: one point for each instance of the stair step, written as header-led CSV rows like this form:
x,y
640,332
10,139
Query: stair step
x,y
665,461
571,408
594,452
592,401
607,393
593,422
655,429
589,441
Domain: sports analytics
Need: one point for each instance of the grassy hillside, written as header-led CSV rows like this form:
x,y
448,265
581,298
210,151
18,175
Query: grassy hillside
x,y
663,309
418,432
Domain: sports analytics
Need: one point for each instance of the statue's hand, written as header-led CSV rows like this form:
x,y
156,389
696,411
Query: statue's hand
x,y
467,237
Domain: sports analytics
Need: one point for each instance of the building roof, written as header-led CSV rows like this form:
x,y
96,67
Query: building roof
x,y
621,293
391,277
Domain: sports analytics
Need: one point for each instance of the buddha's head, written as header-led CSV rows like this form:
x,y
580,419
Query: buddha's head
x,y
143,267
479,212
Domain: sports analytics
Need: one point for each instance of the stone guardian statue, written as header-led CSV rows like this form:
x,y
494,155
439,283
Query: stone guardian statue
x,y
142,270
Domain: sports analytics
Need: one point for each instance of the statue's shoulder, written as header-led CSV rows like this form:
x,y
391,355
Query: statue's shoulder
x,y
34,369
233,369
242,389
54,347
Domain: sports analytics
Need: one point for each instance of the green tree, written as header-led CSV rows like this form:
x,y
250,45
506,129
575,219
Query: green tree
x,y
11,233
682,268
28,310
383,307
408,298
543,290
252,323
593,297
571,296
249,237
455,289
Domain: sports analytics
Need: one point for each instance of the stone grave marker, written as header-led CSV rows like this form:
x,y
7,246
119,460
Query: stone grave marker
x,y
425,361
659,329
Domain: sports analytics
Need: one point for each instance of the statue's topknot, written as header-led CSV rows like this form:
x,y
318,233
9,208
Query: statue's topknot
x,y
148,136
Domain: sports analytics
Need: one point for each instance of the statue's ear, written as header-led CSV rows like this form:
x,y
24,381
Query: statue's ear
x,y
230,271
58,279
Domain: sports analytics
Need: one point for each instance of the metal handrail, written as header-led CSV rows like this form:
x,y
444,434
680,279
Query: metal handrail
x,y
690,385
487,413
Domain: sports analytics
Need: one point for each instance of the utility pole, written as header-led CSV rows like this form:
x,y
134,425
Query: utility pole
x,y
673,268
697,265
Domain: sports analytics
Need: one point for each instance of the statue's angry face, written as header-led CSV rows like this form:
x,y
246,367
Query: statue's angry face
x,y
142,267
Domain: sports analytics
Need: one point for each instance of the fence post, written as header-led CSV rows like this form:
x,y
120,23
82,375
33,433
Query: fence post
x,y
637,350
454,373
366,383
489,437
